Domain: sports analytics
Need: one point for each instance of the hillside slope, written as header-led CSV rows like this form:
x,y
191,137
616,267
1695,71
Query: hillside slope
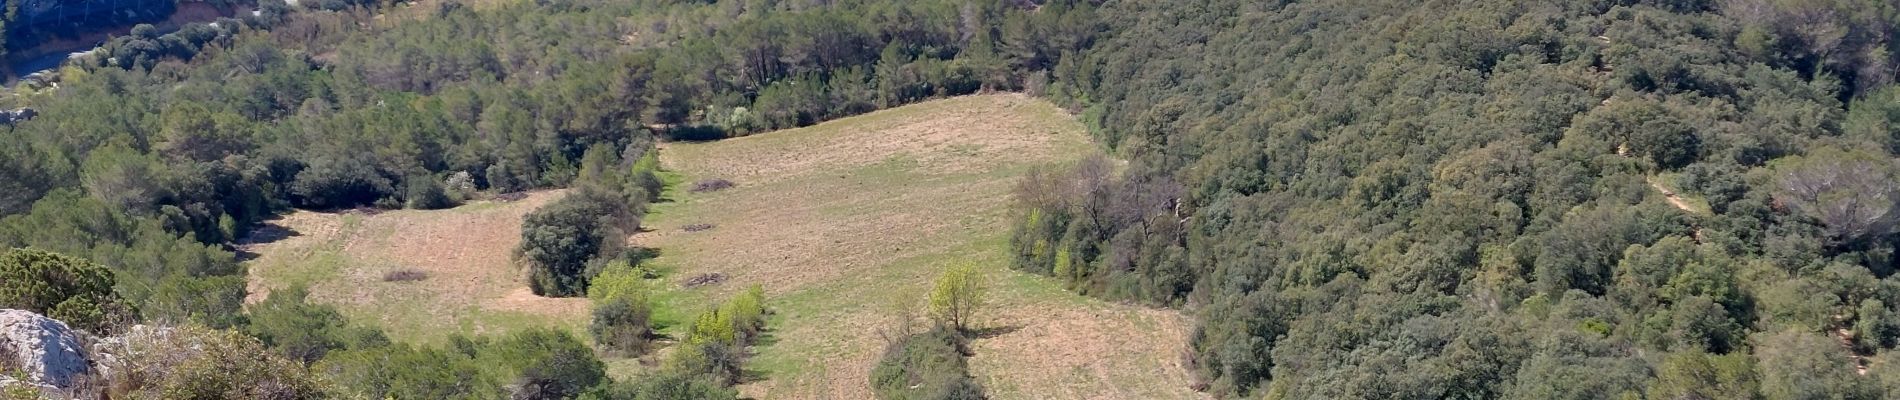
x,y
839,220
1454,199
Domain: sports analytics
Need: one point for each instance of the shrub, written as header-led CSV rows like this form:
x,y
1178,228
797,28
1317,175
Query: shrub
x,y
618,280
735,322
747,311
193,362
547,364
928,365
622,326
646,175
533,364
722,362
460,185
303,331
712,326
401,371
339,184
711,185
405,275
671,386
62,287
622,315
426,194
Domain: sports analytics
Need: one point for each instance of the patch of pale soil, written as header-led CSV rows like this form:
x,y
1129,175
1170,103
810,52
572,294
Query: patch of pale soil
x,y
1075,349
1671,196
946,136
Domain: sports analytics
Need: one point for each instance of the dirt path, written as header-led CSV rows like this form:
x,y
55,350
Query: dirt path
x,y
1671,197
838,221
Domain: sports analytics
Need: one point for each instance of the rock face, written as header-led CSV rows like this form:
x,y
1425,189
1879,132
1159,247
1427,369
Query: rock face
x,y
9,117
47,350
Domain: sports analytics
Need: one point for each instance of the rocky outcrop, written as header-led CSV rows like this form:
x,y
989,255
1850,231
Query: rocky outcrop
x,y
9,117
47,351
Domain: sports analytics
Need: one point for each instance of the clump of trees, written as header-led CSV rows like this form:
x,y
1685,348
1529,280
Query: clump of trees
x,y
560,240
1102,232
710,359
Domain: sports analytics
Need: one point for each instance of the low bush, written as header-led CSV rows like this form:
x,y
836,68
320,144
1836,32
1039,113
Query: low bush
x,y
192,362
711,185
62,287
405,275
425,193
305,332
670,386
538,363
927,365
622,326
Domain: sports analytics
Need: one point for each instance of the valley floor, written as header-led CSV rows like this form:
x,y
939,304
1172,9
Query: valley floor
x,y
839,222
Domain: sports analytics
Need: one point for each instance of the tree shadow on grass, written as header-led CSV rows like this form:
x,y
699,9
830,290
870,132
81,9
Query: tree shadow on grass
x,y
992,332
766,338
264,233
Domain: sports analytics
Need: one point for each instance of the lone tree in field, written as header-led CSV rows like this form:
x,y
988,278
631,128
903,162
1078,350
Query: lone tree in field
x,y
958,294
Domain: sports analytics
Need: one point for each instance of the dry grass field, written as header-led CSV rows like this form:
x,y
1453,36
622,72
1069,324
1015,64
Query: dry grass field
x,y
471,286
837,222
841,220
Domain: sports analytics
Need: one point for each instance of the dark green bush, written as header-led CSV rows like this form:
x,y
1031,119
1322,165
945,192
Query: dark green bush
x,y
403,371
558,240
303,331
623,325
61,287
669,386
426,193
927,365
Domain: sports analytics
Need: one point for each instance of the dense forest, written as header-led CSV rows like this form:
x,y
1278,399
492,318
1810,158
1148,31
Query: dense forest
x,y
1494,199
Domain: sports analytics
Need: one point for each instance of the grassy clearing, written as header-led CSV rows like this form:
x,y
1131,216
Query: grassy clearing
x,y
841,220
836,222
472,286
